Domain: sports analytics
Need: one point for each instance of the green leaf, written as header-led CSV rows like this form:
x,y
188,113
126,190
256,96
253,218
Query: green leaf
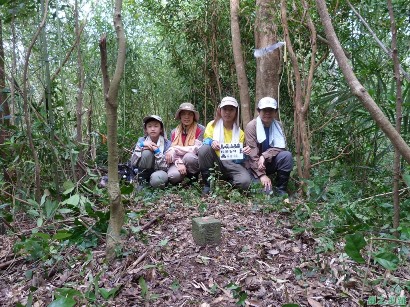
x,y
64,210
163,242
42,235
63,302
68,191
33,212
39,222
68,187
67,292
290,305
144,288
387,260
106,294
127,189
175,285
354,243
43,198
333,172
33,202
61,235
50,207
73,200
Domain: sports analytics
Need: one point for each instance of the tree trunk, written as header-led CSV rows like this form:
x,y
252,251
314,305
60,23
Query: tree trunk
x,y
111,105
303,89
49,102
4,113
239,64
27,117
80,80
396,163
268,67
4,105
357,88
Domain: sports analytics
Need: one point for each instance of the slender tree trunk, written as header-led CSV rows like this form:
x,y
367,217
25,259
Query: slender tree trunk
x,y
49,102
111,106
303,90
396,165
268,67
13,71
27,116
5,112
357,88
240,64
80,80
4,105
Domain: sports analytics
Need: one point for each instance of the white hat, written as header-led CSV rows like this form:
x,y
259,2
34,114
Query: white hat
x,y
267,102
153,117
228,101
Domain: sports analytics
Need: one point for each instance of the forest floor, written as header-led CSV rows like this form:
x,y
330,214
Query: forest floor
x,y
261,261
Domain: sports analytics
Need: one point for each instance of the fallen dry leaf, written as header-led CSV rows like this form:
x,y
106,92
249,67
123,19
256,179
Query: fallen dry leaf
x,y
314,303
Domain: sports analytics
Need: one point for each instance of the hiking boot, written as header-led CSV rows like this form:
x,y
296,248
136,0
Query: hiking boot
x,y
282,179
207,185
206,190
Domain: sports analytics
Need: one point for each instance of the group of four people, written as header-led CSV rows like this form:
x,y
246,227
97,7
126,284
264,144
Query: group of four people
x,y
193,149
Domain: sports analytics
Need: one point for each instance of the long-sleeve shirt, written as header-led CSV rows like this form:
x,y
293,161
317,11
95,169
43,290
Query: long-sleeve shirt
x,y
178,152
256,149
160,162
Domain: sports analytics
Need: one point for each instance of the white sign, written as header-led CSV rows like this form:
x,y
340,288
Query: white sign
x,y
231,151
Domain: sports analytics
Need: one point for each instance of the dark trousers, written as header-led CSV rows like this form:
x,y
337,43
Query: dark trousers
x,y
236,173
282,162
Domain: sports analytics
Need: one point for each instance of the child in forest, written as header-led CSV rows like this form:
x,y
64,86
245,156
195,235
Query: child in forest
x,y
223,129
186,139
148,156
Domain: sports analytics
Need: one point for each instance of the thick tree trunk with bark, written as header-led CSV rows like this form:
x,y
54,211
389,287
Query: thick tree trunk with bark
x,y
357,88
240,64
268,67
111,104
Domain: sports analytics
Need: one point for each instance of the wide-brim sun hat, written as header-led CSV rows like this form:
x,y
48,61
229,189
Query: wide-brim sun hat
x,y
228,101
186,106
267,102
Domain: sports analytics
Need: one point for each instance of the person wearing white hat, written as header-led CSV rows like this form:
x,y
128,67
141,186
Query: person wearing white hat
x,y
186,138
148,156
268,155
223,129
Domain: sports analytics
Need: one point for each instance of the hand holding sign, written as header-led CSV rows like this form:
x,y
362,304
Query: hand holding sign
x,y
231,151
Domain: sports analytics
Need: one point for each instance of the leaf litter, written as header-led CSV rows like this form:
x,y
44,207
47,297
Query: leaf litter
x,y
259,262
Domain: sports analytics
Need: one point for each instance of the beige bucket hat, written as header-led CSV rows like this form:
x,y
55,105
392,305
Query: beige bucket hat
x,y
187,106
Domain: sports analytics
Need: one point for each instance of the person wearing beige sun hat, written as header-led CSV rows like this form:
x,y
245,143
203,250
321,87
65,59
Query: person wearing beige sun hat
x,y
186,138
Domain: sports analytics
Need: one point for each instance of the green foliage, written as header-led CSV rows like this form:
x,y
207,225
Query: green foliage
x,y
387,259
237,293
354,244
